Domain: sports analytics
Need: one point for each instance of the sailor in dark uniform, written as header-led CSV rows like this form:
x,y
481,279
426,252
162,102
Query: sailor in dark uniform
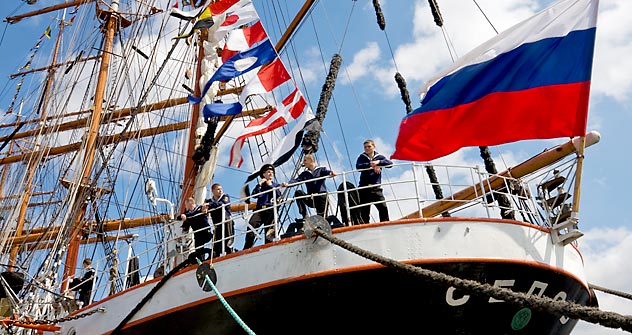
x,y
265,202
196,218
372,162
224,231
84,284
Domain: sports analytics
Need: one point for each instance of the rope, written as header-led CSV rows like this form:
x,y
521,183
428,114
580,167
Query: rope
x,y
436,13
610,291
151,293
401,83
379,14
541,304
310,140
230,310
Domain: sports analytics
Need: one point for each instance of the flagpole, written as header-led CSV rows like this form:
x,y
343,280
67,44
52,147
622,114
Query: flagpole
x,y
578,177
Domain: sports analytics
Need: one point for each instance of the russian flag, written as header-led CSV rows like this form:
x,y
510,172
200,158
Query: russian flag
x,y
529,82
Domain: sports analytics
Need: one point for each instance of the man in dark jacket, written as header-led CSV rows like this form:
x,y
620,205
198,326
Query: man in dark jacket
x,y
195,217
315,188
264,211
371,163
224,231
84,285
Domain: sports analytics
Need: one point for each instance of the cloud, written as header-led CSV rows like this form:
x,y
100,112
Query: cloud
x,y
613,66
605,251
364,61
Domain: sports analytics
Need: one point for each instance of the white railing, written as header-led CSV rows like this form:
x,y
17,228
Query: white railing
x,y
410,192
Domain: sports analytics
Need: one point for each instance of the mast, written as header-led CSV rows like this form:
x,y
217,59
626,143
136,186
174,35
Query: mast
x,y
111,23
190,171
33,162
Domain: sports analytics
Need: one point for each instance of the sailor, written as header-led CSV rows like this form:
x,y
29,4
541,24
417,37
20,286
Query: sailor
x,y
196,218
371,163
84,285
224,230
266,192
315,188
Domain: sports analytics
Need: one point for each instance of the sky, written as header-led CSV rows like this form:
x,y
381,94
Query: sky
x,y
366,102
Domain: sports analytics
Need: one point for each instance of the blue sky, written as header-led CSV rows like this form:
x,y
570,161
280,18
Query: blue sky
x,y
366,103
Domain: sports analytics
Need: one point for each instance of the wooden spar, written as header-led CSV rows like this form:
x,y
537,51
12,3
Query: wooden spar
x,y
105,140
49,233
14,196
111,139
32,164
91,240
495,182
294,24
111,23
52,117
115,116
17,18
12,76
33,204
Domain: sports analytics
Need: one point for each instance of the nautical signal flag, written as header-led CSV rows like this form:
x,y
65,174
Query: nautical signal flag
x,y
529,82
47,32
238,65
235,19
204,20
290,109
289,144
242,39
268,77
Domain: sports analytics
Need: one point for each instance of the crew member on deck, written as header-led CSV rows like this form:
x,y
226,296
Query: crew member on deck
x,y
224,231
265,202
315,188
196,218
84,285
372,162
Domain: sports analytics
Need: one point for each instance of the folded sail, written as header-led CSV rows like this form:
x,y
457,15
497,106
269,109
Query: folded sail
x,y
529,82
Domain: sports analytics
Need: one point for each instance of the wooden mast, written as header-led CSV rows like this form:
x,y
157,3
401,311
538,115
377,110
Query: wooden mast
x,y
32,164
111,23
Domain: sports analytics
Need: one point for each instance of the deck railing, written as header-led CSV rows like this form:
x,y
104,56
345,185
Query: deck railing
x,y
410,193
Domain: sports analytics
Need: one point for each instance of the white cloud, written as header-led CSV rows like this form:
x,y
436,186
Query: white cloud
x,y
364,61
606,253
612,70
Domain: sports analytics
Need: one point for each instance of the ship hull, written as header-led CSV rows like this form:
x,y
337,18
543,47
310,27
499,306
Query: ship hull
x,y
300,286
378,302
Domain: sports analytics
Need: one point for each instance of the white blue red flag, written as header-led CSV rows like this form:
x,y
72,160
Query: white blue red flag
x,y
529,82
238,65
268,77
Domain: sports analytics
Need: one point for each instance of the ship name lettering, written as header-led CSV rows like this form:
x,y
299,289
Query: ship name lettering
x,y
537,289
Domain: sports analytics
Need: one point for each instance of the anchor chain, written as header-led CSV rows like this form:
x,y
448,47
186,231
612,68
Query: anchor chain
x,y
60,320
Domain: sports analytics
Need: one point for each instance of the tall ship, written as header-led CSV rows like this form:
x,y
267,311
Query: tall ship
x,y
166,169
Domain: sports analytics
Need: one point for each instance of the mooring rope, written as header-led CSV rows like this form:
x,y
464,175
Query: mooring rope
x,y
542,304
